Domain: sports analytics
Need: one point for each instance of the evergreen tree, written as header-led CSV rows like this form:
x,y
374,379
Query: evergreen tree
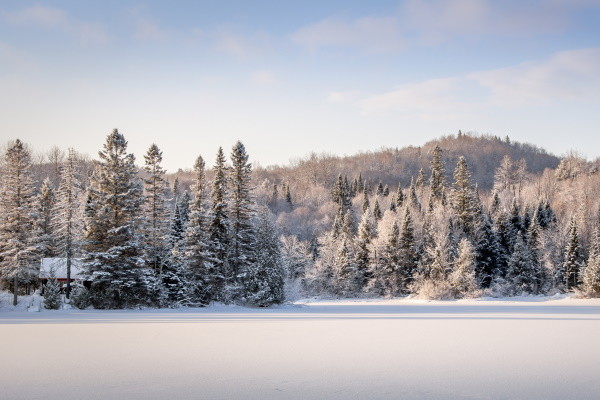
x,y
219,229
384,280
197,268
414,200
363,252
437,178
242,211
377,213
113,257
420,182
264,283
488,262
68,216
521,274
573,259
347,278
44,232
407,254
535,247
288,197
18,252
52,298
399,197
365,204
379,191
462,278
590,276
155,210
463,197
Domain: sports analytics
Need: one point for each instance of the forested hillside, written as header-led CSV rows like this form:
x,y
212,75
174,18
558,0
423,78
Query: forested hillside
x,y
458,217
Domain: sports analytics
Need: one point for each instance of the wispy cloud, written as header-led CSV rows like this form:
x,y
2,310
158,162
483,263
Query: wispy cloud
x,y
431,22
241,45
87,33
369,33
566,76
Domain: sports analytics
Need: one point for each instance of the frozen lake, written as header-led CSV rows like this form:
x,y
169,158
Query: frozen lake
x,y
396,349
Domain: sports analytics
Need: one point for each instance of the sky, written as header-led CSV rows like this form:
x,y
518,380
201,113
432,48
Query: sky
x,y
289,78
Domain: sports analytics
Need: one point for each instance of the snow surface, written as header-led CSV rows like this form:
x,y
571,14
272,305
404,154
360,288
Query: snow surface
x,y
524,348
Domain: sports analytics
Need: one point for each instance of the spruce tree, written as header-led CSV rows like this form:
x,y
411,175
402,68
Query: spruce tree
x,y
242,212
590,275
155,209
224,287
573,259
198,267
18,252
52,298
68,216
264,283
113,257
462,279
377,213
521,273
437,178
463,197
363,252
407,254
389,280
45,233
399,197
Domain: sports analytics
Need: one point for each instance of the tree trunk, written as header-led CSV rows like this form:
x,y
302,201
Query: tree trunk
x,y
15,287
68,276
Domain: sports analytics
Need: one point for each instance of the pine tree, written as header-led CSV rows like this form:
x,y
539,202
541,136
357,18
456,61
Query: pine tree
x,y
198,265
488,262
347,278
18,253
590,275
219,231
363,252
407,254
377,213
288,197
437,178
573,260
533,241
521,274
399,197
264,282
462,278
155,209
388,279
52,298
68,216
463,197
45,236
113,257
420,182
242,212
365,204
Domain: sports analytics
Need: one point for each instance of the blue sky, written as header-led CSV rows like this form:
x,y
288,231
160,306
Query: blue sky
x,y
289,78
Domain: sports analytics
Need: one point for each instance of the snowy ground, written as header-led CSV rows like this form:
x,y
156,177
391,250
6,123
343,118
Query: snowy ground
x,y
533,348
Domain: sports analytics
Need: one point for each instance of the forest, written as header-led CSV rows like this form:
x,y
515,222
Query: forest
x,y
462,216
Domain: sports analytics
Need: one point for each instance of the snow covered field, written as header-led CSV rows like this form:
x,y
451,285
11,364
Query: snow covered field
x,y
536,348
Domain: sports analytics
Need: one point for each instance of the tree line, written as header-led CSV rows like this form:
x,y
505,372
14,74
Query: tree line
x,y
145,241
